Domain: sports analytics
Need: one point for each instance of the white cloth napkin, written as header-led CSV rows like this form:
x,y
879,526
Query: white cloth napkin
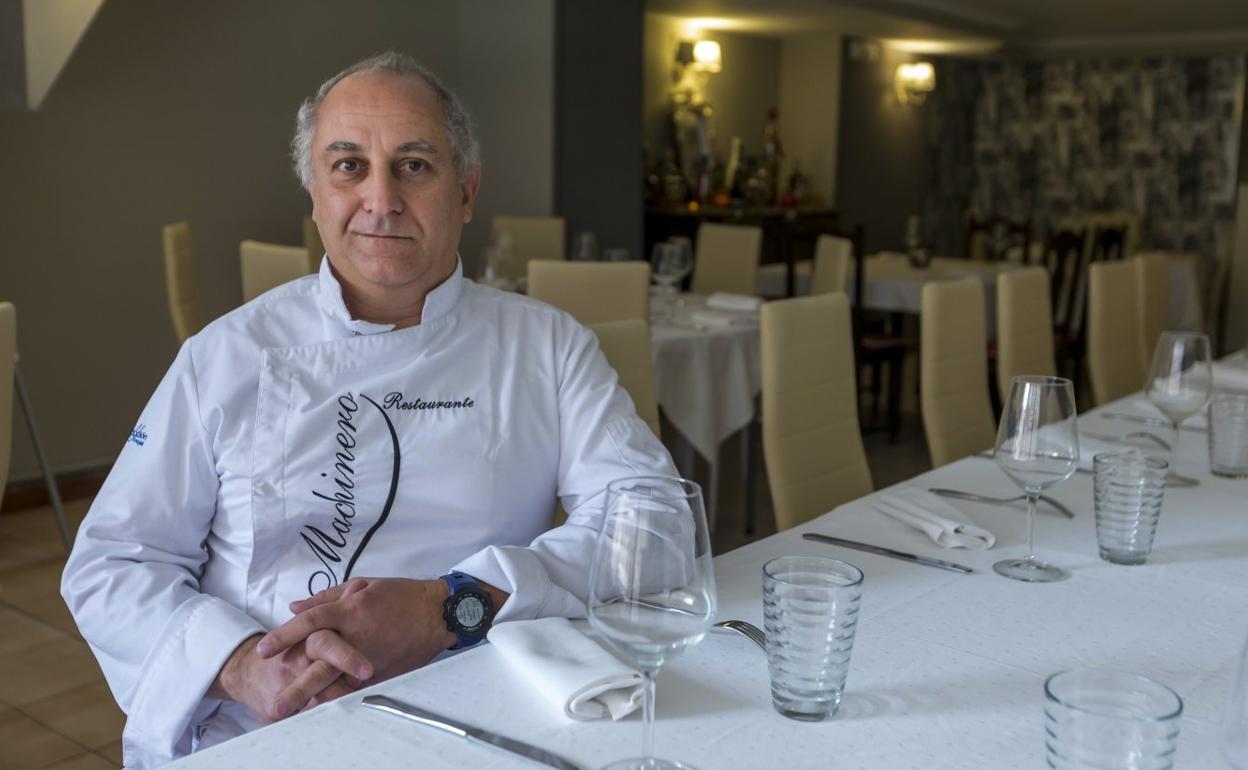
x,y
716,319
739,303
1230,375
568,667
933,516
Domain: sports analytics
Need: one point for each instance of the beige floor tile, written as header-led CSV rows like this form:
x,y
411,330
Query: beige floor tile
x,y
111,752
24,743
18,553
21,631
33,581
88,761
52,611
88,715
38,525
45,670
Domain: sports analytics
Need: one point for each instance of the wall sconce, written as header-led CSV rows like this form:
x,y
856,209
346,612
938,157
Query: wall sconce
x,y
914,81
699,56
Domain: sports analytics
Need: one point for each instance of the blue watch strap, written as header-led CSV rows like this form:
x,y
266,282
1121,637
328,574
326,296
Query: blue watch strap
x,y
458,582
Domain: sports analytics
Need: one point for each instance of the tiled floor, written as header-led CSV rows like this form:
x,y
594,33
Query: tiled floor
x,y
57,712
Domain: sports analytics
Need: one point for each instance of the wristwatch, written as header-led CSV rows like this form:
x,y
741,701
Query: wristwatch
x,y
468,611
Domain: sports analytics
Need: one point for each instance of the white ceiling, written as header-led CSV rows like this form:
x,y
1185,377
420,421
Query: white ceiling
x,y
1024,24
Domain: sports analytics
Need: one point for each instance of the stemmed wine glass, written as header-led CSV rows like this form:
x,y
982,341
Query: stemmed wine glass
x,y
1037,447
1180,381
670,263
651,583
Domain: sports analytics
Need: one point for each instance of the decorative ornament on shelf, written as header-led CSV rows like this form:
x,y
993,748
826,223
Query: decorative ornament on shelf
x,y
914,81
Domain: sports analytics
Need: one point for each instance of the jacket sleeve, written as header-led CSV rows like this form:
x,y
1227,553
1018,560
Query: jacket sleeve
x,y
601,439
132,580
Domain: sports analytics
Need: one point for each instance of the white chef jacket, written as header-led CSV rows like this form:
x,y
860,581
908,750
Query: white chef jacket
x,y
290,447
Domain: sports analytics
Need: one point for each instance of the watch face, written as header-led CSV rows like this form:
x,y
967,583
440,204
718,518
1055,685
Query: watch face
x,y
470,612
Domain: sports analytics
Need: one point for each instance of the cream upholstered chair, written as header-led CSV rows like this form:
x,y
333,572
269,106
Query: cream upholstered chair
x,y
1114,335
313,243
269,265
626,344
1153,291
1024,326
8,362
530,238
184,308
593,292
833,256
726,258
811,439
953,389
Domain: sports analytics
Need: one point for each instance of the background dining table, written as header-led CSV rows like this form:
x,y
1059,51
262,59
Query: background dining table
x,y
947,669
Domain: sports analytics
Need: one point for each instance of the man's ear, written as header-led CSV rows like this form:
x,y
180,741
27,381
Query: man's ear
x,y
469,188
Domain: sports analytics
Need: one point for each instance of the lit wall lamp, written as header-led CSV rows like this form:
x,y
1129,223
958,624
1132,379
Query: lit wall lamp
x,y
699,56
914,81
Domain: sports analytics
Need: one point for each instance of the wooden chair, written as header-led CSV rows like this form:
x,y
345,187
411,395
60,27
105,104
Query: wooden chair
x,y
1024,326
992,239
593,292
875,345
811,440
726,258
1066,256
184,308
1109,244
269,265
529,238
1114,364
953,388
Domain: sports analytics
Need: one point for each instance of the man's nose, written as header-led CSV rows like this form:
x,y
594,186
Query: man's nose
x,y
381,194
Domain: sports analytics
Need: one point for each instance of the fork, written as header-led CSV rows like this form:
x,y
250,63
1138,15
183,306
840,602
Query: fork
x,y
748,630
957,493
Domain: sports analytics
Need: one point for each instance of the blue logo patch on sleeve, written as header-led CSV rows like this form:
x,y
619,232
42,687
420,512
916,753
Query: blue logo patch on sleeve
x,y
138,435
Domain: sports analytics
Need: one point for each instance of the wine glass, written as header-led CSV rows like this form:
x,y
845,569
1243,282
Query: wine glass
x,y
1037,447
1180,381
651,583
1235,718
586,246
670,263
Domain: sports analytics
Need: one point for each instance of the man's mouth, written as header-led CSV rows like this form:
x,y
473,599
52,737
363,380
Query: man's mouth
x,y
386,236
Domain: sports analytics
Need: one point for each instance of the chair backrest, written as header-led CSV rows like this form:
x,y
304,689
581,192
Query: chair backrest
x,y
1114,330
593,292
1153,303
626,344
811,439
8,359
992,239
530,238
833,255
313,243
184,308
726,258
953,373
1024,326
1064,255
269,265
1109,244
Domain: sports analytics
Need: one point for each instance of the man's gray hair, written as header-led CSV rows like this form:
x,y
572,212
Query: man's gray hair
x,y
465,151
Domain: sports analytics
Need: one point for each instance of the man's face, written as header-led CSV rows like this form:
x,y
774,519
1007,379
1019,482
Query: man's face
x,y
385,195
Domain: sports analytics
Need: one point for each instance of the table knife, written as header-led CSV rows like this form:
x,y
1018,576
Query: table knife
x,y
882,551
446,724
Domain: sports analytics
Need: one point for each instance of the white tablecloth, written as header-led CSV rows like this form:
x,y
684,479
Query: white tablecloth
x,y
947,669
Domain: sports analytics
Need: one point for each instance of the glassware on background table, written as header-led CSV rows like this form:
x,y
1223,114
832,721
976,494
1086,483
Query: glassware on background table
x,y
1235,718
1228,434
1127,492
1180,380
810,614
616,254
1100,718
669,265
1037,447
586,246
651,582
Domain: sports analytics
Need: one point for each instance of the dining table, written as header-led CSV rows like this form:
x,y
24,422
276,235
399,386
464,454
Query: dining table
x,y
947,669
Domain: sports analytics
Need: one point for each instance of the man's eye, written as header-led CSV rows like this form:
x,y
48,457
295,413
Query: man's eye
x,y
348,165
414,166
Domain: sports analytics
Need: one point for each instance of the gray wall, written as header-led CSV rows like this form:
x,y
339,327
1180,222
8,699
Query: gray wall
x,y
171,111
598,169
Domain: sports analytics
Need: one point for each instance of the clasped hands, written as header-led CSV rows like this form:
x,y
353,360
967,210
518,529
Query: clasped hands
x,y
363,631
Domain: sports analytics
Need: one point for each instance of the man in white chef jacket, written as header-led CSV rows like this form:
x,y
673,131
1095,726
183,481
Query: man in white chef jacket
x,y
385,419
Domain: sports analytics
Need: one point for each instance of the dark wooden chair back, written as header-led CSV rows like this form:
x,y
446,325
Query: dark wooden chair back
x,y
1064,256
1110,243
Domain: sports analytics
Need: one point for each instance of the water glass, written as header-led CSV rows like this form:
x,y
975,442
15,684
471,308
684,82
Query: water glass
x,y
1228,434
810,613
616,254
1100,718
586,246
1127,492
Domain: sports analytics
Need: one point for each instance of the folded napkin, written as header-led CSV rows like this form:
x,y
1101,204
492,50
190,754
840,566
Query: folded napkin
x,y
1230,375
716,319
568,668
738,303
930,514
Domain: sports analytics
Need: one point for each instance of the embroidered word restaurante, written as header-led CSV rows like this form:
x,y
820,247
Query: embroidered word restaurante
x,y
395,400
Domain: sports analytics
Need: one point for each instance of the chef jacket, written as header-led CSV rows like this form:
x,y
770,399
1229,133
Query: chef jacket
x,y
291,447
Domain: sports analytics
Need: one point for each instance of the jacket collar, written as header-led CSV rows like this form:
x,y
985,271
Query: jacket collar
x,y
438,303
